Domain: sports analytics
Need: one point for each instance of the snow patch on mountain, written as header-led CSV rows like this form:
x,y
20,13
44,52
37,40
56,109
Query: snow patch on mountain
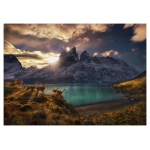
x,y
88,69
26,72
11,66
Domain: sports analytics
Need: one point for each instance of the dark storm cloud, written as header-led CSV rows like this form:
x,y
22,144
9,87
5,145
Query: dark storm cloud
x,y
32,43
29,56
42,64
26,42
48,37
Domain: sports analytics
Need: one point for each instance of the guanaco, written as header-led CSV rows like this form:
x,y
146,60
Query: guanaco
x,y
13,82
41,88
31,87
55,90
18,82
59,93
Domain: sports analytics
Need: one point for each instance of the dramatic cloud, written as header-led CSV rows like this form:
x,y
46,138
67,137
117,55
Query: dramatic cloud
x,y
99,27
59,31
52,37
41,44
127,25
28,59
139,33
110,53
28,56
85,39
10,49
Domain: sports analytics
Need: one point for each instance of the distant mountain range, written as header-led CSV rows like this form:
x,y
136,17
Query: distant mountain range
x,y
143,74
13,68
70,69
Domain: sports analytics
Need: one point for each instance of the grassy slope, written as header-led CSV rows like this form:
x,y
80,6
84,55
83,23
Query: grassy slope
x,y
134,87
24,108
129,115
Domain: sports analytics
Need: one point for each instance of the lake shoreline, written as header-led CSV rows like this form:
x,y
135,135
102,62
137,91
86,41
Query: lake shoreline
x,y
106,106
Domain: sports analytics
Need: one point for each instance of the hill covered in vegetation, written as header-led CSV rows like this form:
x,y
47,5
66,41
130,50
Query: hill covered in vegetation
x,y
23,107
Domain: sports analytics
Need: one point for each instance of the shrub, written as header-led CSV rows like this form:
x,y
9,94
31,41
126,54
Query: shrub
x,y
39,118
40,99
25,107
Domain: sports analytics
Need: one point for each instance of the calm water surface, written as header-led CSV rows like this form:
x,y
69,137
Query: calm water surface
x,y
85,94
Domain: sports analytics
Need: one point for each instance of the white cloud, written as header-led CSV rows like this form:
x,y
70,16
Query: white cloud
x,y
139,33
110,53
95,54
127,25
98,27
85,39
115,53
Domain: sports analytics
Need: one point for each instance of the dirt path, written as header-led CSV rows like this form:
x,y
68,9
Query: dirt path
x,y
105,106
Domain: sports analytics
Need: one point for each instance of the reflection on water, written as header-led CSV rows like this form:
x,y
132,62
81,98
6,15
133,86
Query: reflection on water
x,y
85,94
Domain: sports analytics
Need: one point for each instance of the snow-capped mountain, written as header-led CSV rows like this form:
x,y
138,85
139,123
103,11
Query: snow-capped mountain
x,y
84,56
14,69
11,66
88,69
26,72
68,58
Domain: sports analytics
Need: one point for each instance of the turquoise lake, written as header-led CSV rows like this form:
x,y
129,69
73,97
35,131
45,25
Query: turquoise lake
x,y
85,94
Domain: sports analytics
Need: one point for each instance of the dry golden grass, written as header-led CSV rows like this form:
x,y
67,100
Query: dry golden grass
x,y
134,87
129,115
26,108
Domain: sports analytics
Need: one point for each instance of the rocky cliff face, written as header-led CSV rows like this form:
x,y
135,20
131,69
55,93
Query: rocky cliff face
x,y
68,58
84,56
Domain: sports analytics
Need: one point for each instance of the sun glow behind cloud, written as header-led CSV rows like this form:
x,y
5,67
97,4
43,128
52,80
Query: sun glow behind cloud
x,y
52,58
34,58
67,49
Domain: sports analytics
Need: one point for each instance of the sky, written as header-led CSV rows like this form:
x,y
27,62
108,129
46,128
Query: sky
x,y
41,44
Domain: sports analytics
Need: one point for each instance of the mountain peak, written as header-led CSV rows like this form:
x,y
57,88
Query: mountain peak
x,y
68,57
74,52
11,66
70,52
85,52
9,58
84,56
73,49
